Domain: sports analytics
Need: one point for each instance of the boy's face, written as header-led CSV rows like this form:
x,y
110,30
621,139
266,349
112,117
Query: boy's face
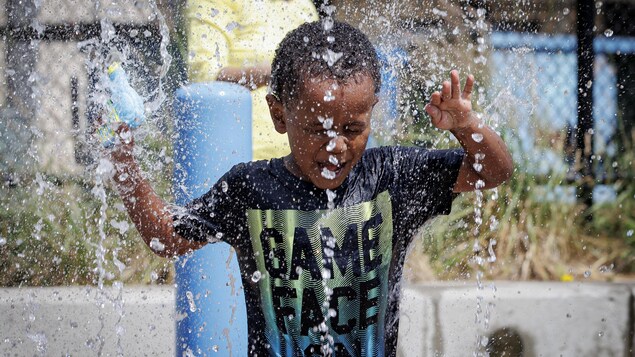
x,y
328,127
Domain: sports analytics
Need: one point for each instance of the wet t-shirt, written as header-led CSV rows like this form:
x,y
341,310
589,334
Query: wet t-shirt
x,y
329,269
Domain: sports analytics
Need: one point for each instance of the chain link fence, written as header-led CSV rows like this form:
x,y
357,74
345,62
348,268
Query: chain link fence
x,y
45,102
534,84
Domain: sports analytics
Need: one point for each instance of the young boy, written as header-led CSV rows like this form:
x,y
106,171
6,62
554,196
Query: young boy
x,y
326,228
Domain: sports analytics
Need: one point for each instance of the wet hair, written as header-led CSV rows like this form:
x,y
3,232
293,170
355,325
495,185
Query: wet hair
x,y
311,51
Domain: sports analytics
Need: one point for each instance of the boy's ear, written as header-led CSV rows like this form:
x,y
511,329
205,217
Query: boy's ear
x,y
276,109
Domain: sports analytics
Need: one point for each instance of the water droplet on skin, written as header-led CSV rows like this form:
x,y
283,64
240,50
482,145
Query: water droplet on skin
x,y
190,301
333,160
477,137
479,183
328,174
255,277
156,245
566,11
330,146
327,123
587,274
329,97
477,167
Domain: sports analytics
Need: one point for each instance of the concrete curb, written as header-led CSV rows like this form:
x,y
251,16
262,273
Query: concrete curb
x,y
437,319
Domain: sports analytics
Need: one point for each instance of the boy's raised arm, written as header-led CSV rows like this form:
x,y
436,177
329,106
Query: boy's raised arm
x,y
487,161
150,214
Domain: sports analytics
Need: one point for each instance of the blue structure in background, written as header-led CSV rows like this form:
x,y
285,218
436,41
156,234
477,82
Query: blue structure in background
x,y
385,115
214,133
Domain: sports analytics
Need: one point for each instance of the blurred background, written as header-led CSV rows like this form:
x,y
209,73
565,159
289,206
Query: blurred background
x,y
554,77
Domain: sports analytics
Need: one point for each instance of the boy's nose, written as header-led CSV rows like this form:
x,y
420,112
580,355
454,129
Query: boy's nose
x,y
337,145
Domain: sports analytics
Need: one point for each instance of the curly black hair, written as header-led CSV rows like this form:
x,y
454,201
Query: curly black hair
x,y
316,49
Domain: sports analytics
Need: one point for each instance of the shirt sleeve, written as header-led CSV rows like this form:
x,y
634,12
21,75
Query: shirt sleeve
x,y
212,216
426,178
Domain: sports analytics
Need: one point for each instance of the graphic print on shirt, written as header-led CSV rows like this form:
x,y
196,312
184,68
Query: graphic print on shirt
x,y
294,250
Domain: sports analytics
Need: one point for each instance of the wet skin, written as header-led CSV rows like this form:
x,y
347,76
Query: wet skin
x,y
316,148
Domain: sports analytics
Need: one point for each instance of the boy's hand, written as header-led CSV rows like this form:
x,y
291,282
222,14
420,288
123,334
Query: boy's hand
x,y
122,151
452,108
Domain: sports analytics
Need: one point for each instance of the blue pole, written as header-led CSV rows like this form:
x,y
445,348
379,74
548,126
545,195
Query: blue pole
x,y
213,124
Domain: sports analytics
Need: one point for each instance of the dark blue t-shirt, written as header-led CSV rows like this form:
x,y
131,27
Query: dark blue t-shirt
x,y
329,273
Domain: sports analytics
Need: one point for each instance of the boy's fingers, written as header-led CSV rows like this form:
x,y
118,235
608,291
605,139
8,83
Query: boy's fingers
x,y
446,92
432,111
435,99
456,86
469,84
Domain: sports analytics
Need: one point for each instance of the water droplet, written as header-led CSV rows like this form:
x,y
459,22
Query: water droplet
x,y
190,301
327,123
224,186
3,241
479,184
331,57
255,277
330,39
333,160
328,174
331,146
329,97
477,167
566,11
629,233
587,274
215,348
156,245
327,23
477,137
608,33
601,333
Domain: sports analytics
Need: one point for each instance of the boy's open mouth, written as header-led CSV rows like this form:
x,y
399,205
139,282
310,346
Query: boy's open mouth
x,y
329,167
